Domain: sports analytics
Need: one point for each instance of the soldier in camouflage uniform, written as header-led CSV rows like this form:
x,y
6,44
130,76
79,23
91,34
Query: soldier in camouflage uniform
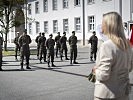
x,y
63,40
17,48
50,50
24,41
42,51
73,48
93,41
38,46
57,38
1,43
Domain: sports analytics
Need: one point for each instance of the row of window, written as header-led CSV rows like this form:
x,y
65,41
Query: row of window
x,y
91,25
55,5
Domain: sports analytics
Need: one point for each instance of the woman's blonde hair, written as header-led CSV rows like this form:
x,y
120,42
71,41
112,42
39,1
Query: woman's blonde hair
x,y
113,28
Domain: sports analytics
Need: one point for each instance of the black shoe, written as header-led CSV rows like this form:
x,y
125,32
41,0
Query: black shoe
x,y
53,65
67,59
48,65
22,68
75,62
1,69
40,61
45,61
28,68
16,59
91,59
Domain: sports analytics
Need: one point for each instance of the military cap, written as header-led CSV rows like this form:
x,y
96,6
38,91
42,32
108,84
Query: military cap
x,y
43,33
73,31
50,35
58,33
93,32
64,32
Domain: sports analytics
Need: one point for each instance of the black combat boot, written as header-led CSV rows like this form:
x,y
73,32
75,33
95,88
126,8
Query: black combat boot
x,y
75,62
22,67
48,64
27,67
67,58
53,65
0,69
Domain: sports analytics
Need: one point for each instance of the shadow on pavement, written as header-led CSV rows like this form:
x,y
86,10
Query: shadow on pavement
x,y
55,70
12,70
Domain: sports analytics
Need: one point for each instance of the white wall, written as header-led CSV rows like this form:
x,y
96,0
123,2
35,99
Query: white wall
x,y
98,9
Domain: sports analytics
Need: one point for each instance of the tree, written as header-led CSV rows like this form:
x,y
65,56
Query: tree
x,y
7,16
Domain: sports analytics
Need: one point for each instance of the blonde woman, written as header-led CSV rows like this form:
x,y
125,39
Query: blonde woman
x,y
114,61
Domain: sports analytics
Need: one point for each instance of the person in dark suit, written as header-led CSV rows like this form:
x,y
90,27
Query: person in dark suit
x,y
50,50
73,48
38,46
17,48
63,41
1,43
94,42
57,40
42,50
24,41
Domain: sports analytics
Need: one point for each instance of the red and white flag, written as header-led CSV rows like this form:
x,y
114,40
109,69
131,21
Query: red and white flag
x,y
131,36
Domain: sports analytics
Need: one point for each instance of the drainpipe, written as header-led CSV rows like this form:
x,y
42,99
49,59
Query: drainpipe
x,y
120,7
83,9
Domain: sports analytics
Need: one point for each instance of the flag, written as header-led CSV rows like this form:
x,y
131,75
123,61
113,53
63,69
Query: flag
x,y
131,36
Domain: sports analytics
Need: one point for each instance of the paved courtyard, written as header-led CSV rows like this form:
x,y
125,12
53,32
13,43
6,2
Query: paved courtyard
x,y
64,82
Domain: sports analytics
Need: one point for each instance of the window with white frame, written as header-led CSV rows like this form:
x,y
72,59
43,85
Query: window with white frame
x,y
55,26
46,26
30,28
91,23
77,2
45,4
29,9
77,24
54,4
37,27
91,1
65,3
36,7
65,25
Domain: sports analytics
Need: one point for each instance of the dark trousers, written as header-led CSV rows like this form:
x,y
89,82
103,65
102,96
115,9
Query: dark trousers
x,y
17,49
50,56
27,56
64,49
43,53
93,53
38,48
58,49
73,53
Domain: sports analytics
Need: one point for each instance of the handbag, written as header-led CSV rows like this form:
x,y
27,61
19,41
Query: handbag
x,y
91,77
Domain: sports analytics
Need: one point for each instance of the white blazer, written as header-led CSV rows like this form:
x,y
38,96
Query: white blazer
x,y
112,73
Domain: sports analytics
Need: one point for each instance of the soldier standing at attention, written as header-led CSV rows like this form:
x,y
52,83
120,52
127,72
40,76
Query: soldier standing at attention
x,y
38,46
1,43
42,51
50,48
93,41
24,41
73,48
17,48
63,40
57,38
